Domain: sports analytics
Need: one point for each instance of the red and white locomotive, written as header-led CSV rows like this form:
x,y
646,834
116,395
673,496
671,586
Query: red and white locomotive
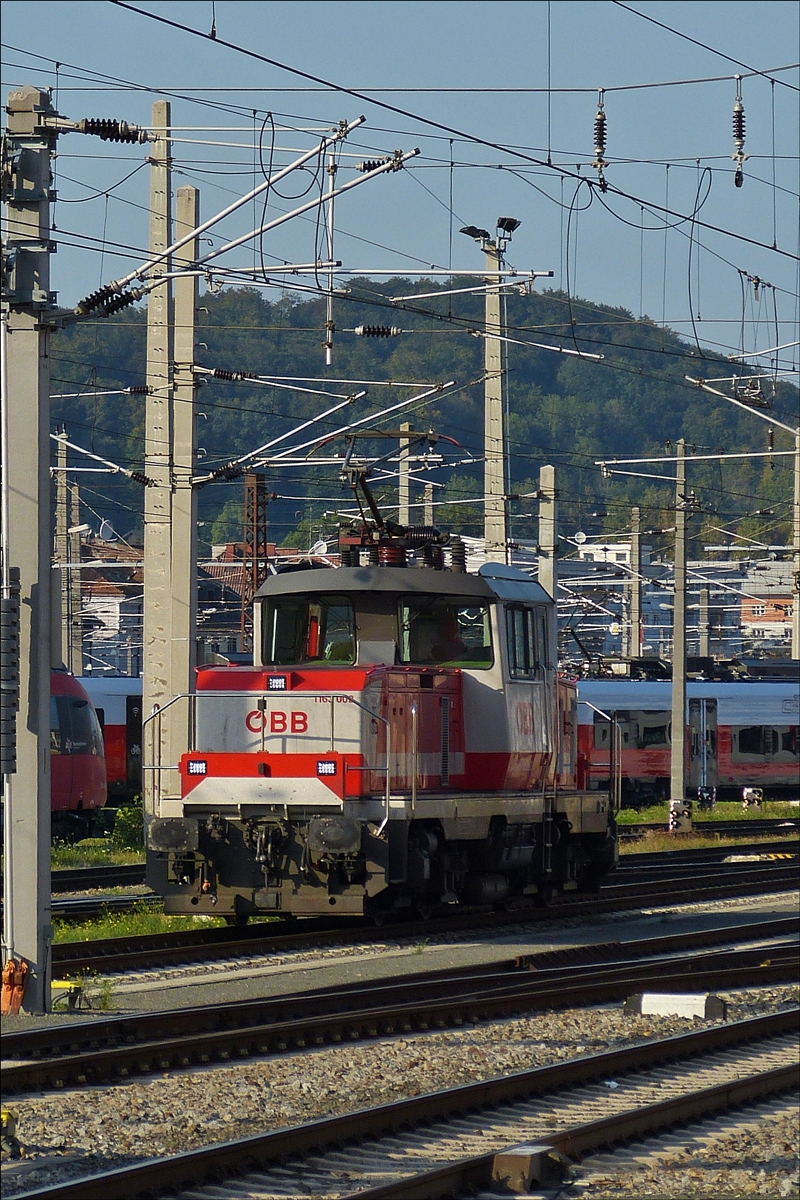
x,y
402,739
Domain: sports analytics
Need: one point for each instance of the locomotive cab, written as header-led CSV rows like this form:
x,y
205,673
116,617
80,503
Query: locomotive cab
x,y
401,739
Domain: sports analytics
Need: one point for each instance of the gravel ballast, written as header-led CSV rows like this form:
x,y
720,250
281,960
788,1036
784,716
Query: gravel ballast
x,y
74,1132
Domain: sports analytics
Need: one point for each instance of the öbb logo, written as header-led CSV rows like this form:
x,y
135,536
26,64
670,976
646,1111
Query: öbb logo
x,y
276,722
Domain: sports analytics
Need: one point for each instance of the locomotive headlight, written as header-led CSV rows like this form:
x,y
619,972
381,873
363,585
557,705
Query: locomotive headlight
x,y
326,767
197,766
277,683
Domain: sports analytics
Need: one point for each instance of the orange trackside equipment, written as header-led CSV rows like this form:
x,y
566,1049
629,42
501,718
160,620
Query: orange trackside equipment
x,y
15,976
8,986
20,979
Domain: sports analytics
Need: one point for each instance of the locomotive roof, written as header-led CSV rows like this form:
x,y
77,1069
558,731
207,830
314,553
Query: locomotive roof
x,y
397,580
494,581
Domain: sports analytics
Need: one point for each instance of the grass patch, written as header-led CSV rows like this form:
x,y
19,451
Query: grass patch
x,y
725,810
653,841
92,852
140,920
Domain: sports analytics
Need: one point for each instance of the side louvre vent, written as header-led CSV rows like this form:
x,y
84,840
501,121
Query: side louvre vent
x,y
445,741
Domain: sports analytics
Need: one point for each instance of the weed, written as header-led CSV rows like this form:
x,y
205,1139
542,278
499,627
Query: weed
x,y
128,832
422,945
104,998
141,919
725,810
92,852
654,841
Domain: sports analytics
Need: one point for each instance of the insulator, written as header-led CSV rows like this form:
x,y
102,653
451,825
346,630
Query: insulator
x,y
600,133
376,331
120,300
140,477
113,131
346,556
392,556
229,472
433,556
373,557
738,155
371,164
232,376
738,124
458,555
140,389
417,535
96,299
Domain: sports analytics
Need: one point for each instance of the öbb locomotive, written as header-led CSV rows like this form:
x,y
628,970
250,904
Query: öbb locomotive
x,y
403,739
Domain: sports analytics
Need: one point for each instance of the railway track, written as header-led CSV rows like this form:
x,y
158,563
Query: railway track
x,y
90,907
78,879
446,1142
86,879
632,886
113,1048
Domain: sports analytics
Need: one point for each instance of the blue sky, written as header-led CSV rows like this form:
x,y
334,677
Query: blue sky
x,y
404,221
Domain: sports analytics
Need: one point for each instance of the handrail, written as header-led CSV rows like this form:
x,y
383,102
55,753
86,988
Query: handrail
x,y
414,757
193,698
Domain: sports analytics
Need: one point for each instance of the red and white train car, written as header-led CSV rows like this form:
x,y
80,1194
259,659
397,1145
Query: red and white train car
x,y
118,703
402,739
738,735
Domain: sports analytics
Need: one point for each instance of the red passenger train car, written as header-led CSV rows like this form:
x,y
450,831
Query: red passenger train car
x,y
118,703
738,735
77,758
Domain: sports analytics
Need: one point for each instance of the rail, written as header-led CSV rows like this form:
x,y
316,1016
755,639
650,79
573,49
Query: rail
x,y
152,727
226,1162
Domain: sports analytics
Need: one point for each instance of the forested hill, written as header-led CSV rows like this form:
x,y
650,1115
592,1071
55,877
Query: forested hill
x,y
562,409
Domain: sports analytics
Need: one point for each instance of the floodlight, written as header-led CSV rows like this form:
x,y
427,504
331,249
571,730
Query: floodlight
x,y
473,232
508,224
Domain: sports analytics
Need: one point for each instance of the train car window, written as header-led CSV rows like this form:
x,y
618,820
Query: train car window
x,y
434,629
526,632
653,730
602,730
55,728
789,740
751,739
301,630
74,728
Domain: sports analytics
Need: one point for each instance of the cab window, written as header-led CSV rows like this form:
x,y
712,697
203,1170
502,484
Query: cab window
x,y
437,630
300,630
526,631
74,728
